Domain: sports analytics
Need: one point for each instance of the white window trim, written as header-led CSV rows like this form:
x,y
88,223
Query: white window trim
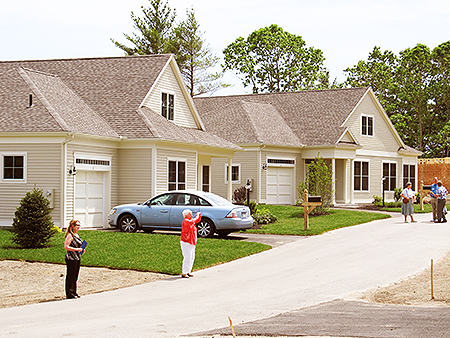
x,y
353,169
95,167
239,170
22,180
409,178
173,159
396,172
373,125
168,92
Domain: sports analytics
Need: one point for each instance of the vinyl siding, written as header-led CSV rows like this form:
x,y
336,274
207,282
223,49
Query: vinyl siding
x,y
163,156
134,178
167,83
43,163
383,138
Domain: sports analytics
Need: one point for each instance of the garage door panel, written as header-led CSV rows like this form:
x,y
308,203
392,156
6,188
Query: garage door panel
x,y
89,198
280,185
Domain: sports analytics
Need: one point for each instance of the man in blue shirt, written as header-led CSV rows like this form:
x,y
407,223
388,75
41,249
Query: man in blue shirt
x,y
434,201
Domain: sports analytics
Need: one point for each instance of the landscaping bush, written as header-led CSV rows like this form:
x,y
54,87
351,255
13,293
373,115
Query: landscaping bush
x,y
32,224
264,216
240,196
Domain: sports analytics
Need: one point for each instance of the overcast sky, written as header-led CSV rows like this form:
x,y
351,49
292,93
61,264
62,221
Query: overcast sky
x,y
346,31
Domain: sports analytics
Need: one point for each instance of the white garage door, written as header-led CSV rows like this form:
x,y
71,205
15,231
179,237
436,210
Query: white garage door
x,y
280,185
89,198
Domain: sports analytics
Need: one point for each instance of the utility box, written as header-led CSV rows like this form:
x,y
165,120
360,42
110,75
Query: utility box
x,y
315,199
427,187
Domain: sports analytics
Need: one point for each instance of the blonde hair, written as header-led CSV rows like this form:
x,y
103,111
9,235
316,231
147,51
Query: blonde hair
x,y
69,229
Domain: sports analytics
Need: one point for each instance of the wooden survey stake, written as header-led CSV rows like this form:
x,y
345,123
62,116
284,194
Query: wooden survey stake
x,y
308,207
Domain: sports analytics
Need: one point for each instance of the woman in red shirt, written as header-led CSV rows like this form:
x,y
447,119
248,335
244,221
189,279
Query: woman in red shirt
x,y
188,241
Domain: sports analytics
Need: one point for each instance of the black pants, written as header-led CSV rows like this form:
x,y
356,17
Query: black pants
x,y
73,269
440,210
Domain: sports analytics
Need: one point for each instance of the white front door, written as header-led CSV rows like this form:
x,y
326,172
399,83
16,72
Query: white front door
x,y
89,198
280,187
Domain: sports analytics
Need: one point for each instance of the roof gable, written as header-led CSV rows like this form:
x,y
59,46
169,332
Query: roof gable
x,y
313,117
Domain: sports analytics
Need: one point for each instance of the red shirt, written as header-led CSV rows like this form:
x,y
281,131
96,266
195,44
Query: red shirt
x,y
189,230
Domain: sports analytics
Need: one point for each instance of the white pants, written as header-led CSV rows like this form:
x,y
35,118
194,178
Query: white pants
x,y
188,251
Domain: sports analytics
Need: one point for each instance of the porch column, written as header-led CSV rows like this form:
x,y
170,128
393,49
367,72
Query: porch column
x,y
345,181
230,184
352,181
333,184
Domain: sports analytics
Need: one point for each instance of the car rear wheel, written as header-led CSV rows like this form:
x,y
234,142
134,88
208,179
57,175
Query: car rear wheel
x,y
128,223
205,228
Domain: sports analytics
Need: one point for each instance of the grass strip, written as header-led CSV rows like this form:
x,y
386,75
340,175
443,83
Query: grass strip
x,y
136,251
291,221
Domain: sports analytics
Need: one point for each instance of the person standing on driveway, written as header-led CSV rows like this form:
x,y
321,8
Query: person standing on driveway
x,y
434,201
72,244
188,241
408,196
441,197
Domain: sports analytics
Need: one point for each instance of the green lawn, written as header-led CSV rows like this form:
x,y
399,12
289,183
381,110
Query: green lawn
x,y
291,221
137,251
162,253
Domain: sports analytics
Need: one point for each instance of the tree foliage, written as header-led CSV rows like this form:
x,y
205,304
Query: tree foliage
x,y
318,182
32,223
273,60
195,58
159,33
414,89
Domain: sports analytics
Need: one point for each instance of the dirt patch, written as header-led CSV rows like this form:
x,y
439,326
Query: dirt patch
x,y
26,283
416,290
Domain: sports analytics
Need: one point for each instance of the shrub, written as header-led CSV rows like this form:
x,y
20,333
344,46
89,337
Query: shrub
x,y
264,216
253,208
377,200
397,194
318,182
32,224
240,196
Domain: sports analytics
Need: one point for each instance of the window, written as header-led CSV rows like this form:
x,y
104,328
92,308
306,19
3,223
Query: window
x,y
361,176
390,173
177,175
409,174
235,173
205,178
167,105
13,167
367,125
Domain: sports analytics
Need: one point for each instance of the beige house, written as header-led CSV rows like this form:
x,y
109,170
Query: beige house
x,y
94,133
283,132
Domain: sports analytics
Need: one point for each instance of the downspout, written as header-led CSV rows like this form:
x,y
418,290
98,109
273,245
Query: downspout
x,y
63,204
260,172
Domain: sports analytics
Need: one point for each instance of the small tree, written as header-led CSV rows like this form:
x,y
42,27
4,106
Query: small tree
x,y
318,182
32,223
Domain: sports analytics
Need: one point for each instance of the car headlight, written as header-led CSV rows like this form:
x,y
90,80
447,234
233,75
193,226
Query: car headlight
x,y
113,211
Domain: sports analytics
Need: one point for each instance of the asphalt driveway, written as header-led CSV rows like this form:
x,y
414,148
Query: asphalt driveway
x,y
294,276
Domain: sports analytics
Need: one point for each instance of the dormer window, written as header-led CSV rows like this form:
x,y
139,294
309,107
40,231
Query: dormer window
x,y
367,125
167,105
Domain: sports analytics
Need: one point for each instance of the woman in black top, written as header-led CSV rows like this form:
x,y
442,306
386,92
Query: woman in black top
x,y
72,244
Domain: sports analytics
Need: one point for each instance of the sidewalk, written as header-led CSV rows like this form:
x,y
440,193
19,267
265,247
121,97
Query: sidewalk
x,y
296,275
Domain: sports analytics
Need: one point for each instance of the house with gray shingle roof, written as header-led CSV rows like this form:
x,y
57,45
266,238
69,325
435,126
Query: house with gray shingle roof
x,y
284,132
94,133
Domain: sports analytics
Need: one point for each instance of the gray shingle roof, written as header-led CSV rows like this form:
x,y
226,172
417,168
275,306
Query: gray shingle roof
x,y
294,118
112,87
98,96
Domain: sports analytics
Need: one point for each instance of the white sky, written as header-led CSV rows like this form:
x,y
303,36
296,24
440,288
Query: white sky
x,y
345,30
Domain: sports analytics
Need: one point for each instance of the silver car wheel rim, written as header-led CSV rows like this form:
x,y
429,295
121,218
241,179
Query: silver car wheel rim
x,y
128,224
204,229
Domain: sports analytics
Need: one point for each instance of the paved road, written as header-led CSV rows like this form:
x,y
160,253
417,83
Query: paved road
x,y
293,276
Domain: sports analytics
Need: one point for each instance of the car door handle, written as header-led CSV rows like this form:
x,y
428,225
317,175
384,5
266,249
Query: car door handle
x,y
164,211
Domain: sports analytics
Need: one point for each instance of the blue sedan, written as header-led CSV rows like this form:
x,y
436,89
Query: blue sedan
x,y
164,211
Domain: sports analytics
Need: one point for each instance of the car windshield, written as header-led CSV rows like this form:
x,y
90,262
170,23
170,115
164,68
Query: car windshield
x,y
217,199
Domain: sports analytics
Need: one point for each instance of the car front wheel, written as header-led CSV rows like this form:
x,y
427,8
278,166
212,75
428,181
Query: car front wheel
x,y
128,223
205,228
